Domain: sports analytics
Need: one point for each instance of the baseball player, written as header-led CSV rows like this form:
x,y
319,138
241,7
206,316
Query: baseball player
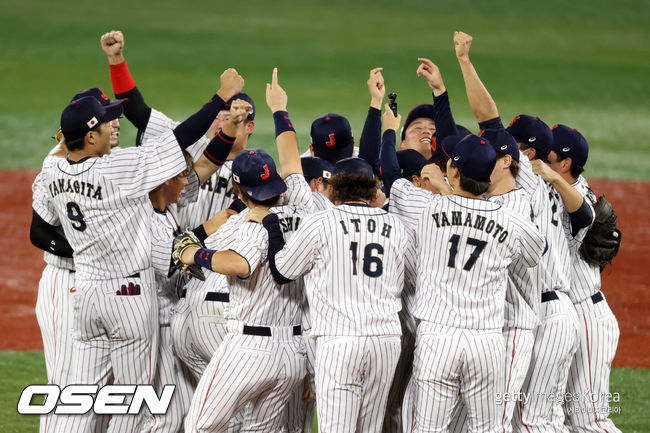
x,y
54,302
587,405
459,297
197,324
353,259
264,343
409,181
169,369
541,406
100,199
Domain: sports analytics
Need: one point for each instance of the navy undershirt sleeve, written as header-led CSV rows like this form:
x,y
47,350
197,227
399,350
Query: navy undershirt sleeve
x,y
195,126
276,243
370,138
390,170
48,237
444,120
135,109
581,218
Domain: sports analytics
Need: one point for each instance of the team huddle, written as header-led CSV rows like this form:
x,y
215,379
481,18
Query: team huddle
x,y
444,286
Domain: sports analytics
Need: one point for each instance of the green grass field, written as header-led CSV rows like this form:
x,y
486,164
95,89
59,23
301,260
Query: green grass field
x,y
630,413
583,63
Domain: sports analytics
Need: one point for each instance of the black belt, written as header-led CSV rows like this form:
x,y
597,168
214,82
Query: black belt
x,y
136,275
549,296
218,297
265,331
211,296
597,298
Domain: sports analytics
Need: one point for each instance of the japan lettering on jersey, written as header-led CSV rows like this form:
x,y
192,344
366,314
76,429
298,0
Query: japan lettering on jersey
x,y
465,286
357,255
104,208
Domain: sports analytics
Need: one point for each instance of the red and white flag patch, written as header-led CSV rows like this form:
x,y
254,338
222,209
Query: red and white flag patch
x,y
92,122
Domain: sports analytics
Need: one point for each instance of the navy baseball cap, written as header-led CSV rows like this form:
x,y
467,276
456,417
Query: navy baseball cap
x,y
331,137
445,148
83,114
568,143
501,141
411,162
422,110
474,157
314,167
353,166
96,93
243,96
531,131
254,171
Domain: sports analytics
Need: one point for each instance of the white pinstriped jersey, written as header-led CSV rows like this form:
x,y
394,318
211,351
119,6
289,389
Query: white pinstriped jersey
x,y
408,201
104,208
39,190
585,278
321,202
464,247
555,268
353,258
163,228
257,299
523,294
215,194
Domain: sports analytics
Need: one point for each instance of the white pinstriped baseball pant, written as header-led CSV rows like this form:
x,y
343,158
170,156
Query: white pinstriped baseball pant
x,y
454,363
114,335
248,369
353,378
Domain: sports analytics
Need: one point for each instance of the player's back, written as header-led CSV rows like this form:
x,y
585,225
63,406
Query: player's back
x,y
103,205
464,247
355,284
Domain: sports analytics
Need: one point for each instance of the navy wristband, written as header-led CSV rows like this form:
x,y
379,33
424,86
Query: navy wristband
x,y
203,257
200,233
219,148
282,122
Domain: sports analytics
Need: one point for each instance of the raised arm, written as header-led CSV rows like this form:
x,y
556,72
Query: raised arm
x,y
195,126
219,147
480,101
390,170
135,109
285,134
444,120
370,136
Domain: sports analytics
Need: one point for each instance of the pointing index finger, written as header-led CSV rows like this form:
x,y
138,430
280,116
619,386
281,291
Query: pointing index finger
x,y
274,80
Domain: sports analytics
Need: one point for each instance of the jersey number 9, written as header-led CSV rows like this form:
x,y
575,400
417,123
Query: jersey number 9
x,y
75,215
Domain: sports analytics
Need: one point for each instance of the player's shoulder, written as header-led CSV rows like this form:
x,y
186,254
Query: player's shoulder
x,y
582,186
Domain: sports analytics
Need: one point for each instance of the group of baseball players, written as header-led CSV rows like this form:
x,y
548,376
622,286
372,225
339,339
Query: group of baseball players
x,y
435,288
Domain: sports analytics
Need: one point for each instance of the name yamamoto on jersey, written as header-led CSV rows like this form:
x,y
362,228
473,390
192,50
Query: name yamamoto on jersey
x,y
478,222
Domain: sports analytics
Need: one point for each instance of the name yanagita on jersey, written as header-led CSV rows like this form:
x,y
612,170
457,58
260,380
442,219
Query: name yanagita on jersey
x,y
75,187
475,221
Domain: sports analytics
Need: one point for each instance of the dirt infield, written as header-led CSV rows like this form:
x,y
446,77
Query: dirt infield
x,y
625,285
